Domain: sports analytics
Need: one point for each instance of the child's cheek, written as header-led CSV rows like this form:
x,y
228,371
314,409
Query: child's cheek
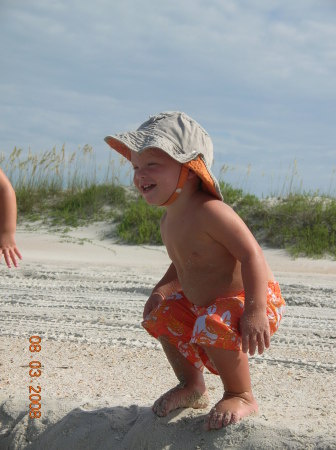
x,y
136,183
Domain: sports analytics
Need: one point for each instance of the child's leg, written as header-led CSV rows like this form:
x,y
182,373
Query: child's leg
x,y
190,392
238,400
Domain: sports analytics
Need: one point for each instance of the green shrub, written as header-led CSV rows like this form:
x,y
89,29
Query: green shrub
x,y
245,205
89,204
304,224
140,223
70,207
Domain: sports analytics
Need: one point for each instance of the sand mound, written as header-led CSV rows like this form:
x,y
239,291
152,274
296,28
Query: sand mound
x,y
134,428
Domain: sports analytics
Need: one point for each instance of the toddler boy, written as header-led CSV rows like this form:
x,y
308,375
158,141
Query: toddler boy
x,y
218,299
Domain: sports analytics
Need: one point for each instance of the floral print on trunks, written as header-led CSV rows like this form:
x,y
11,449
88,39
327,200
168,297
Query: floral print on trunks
x,y
188,326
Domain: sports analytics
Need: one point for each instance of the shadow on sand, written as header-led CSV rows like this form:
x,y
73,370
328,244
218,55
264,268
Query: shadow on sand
x,y
137,428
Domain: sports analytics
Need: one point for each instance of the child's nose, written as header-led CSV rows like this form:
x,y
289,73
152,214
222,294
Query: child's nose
x,y
141,173
138,175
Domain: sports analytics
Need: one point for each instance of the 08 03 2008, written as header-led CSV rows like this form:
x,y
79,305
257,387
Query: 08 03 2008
x,y
34,373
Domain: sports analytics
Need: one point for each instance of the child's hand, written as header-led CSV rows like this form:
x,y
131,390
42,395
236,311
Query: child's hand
x,y
152,303
9,249
254,328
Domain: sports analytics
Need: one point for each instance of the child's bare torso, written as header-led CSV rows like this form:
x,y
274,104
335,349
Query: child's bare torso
x,y
205,269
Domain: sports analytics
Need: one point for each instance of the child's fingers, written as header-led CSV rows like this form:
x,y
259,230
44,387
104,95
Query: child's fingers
x,y
10,257
249,343
267,339
17,251
7,258
261,344
264,341
245,343
146,311
253,344
13,258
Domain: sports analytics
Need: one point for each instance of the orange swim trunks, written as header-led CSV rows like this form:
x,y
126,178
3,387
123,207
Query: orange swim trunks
x,y
188,326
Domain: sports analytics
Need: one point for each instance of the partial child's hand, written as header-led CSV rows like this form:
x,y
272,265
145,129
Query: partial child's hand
x,y
153,302
255,331
9,249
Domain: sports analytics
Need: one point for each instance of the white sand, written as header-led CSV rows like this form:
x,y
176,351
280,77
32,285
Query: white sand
x,y
101,371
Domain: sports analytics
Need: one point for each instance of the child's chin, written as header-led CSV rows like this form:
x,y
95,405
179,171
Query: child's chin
x,y
151,202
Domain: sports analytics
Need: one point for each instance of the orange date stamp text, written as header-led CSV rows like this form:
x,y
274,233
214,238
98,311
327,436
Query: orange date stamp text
x,y
34,373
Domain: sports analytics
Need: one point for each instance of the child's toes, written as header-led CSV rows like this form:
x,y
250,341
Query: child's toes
x,y
215,420
227,419
235,418
157,408
160,407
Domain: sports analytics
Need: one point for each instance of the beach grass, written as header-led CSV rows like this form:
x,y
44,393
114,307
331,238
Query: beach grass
x,y
70,189
304,224
60,188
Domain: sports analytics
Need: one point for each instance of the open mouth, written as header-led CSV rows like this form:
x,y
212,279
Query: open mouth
x,y
147,187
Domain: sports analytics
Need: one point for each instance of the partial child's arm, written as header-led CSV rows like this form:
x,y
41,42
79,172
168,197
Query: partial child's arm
x,y
226,227
168,284
254,324
8,246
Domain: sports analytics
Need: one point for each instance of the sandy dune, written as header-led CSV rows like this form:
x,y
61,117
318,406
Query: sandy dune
x,y
101,372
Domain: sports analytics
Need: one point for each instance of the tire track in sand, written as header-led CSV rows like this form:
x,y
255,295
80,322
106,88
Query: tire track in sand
x,y
105,306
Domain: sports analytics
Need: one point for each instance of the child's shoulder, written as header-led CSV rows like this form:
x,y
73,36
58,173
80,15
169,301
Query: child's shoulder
x,y
207,203
209,210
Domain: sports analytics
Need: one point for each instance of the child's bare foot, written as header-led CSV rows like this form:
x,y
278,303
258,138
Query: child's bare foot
x,y
180,396
231,409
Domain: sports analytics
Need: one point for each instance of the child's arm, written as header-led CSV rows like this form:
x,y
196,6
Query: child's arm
x,y
8,222
226,227
168,284
254,324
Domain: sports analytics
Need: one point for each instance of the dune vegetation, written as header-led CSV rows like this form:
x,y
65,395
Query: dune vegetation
x,y
69,190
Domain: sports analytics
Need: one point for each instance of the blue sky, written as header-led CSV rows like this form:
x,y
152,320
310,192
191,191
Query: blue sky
x,y
259,76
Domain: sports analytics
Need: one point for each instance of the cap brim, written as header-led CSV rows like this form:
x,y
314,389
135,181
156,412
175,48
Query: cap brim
x,y
139,141
119,146
209,182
